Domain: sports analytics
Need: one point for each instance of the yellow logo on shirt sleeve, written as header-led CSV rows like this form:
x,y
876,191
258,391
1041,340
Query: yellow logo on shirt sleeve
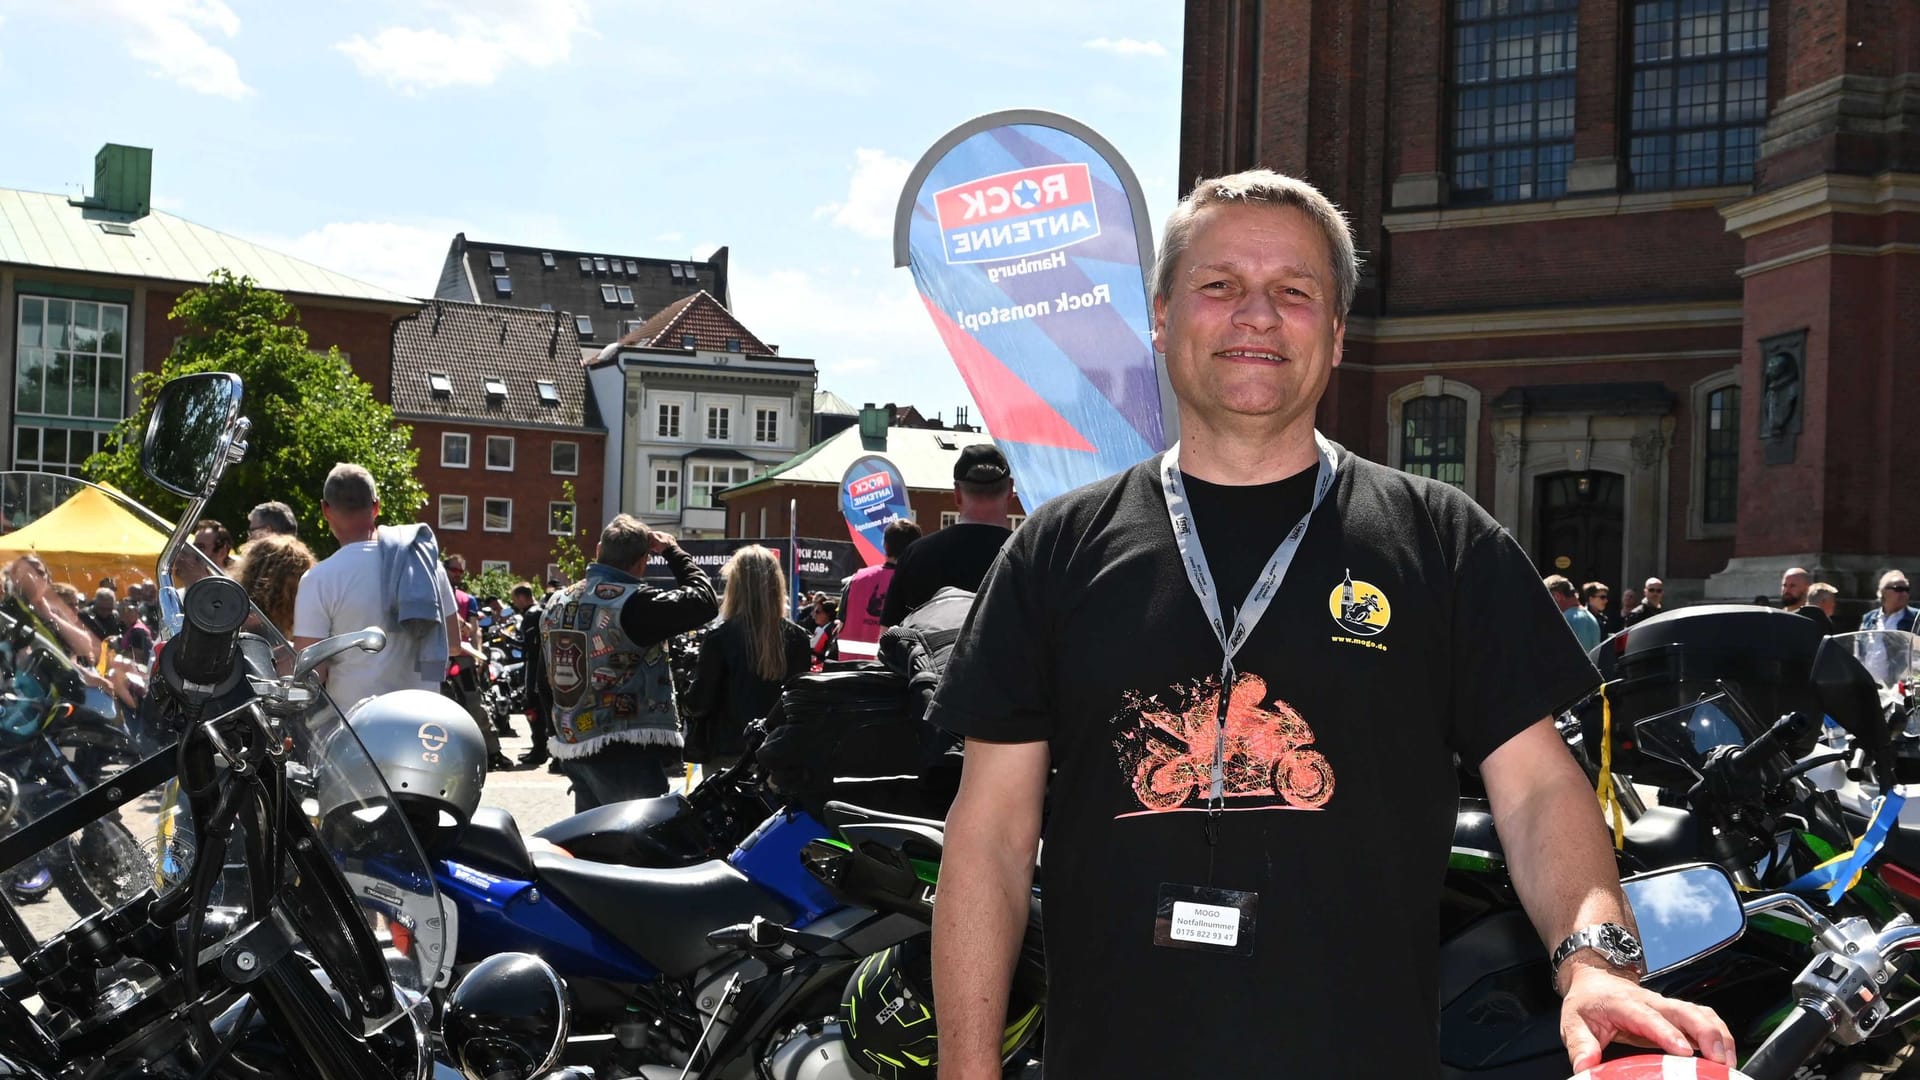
x,y
1359,607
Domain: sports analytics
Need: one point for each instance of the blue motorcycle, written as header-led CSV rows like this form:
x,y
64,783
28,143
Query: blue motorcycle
x,y
720,957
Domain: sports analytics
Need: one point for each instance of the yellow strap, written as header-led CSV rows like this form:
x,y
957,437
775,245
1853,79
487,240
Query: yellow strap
x,y
1609,802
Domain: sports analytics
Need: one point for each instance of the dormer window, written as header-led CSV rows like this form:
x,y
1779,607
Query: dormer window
x,y
441,386
546,260
607,294
586,265
497,260
600,264
689,341
626,294
584,324
733,344
677,273
496,390
633,268
503,284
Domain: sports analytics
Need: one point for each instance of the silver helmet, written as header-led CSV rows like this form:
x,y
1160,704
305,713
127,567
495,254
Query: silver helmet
x,y
432,756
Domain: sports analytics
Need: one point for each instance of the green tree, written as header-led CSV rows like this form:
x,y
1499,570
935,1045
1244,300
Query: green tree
x,y
309,412
494,584
566,551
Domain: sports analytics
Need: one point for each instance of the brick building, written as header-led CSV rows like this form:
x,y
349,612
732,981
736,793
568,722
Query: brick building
x,y
87,285
502,419
809,483
1637,271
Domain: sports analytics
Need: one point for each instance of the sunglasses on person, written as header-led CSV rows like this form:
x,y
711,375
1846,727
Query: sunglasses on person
x,y
1902,587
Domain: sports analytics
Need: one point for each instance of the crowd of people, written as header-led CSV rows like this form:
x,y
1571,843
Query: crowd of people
x,y
1586,607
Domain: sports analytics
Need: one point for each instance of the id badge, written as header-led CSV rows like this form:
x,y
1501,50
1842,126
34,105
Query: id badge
x,y
1205,919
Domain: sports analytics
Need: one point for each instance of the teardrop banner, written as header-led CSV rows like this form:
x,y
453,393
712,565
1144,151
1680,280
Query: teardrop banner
x,y
873,495
1029,241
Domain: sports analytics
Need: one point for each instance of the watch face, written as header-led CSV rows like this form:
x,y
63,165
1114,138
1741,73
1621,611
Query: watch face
x,y
1621,944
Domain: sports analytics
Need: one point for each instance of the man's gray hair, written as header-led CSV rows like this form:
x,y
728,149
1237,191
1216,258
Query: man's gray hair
x,y
625,541
275,517
1890,577
350,487
1268,188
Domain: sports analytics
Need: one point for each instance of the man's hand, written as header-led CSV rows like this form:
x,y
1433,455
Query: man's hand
x,y
661,542
1602,1007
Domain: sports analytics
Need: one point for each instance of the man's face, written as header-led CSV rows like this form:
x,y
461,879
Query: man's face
x,y
208,542
520,603
1893,595
256,528
456,573
1248,325
1656,594
1793,588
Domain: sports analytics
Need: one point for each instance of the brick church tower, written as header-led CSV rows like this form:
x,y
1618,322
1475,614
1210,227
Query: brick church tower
x,y
1641,276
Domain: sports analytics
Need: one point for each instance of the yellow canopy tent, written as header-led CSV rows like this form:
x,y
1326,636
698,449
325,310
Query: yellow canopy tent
x,y
86,538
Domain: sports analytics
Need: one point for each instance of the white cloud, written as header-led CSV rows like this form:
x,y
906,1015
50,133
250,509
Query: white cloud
x,y
171,38
1127,47
474,43
404,258
872,195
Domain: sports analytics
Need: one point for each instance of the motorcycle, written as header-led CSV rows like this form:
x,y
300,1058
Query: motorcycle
x,y
252,937
1733,793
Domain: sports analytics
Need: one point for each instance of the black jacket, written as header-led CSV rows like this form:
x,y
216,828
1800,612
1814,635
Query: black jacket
x,y
727,694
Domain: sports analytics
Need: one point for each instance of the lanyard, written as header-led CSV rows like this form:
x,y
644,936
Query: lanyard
x,y
1186,534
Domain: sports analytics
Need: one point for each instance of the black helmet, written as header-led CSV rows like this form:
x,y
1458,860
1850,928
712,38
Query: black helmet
x,y
889,1013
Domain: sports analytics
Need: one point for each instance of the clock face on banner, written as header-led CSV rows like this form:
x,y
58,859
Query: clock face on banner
x,y
873,495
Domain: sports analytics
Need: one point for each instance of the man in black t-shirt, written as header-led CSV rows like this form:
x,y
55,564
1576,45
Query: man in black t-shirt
x,y
960,554
1252,747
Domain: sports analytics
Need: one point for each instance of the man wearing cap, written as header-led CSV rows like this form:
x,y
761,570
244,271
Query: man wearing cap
x,y
960,554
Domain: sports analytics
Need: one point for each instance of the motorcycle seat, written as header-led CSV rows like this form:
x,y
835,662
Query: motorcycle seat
x,y
1664,836
663,915
661,831
492,843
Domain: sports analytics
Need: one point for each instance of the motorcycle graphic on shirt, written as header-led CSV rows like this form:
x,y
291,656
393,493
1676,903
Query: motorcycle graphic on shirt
x,y
1167,751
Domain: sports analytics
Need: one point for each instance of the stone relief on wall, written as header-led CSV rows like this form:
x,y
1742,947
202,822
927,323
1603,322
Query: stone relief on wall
x,y
1508,448
1783,367
1648,448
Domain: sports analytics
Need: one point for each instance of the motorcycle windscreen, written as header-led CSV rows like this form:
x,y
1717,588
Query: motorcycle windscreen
x,y
1893,658
71,728
1686,735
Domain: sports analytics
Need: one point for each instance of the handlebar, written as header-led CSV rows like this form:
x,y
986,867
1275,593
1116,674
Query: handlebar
x,y
1796,1040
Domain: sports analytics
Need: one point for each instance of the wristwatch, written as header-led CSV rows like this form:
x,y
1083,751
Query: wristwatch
x,y
1615,944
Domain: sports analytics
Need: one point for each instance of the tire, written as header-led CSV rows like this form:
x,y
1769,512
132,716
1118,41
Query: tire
x,y
1304,779
1151,785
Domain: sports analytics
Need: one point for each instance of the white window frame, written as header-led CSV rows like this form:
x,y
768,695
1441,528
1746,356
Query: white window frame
x,y
572,508
736,473
466,446
1437,386
509,440
447,502
554,449
724,414
1014,521
490,565
679,431
665,474
762,435
949,517
553,574
483,514
1698,528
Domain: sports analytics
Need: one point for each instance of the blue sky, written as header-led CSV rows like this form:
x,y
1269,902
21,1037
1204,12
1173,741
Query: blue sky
x,y
362,134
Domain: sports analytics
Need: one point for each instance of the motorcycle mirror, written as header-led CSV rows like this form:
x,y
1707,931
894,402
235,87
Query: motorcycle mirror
x,y
191,434
507,1019
1684,913
1849,693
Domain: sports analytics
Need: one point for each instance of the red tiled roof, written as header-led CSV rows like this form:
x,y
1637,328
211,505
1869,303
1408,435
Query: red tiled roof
x,y
708,320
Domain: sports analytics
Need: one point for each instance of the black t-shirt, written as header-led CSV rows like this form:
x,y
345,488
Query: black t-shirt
x,y
1410,628
958,555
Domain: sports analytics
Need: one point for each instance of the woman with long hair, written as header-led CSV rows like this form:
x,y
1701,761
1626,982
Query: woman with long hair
x,y
744,660
270,571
